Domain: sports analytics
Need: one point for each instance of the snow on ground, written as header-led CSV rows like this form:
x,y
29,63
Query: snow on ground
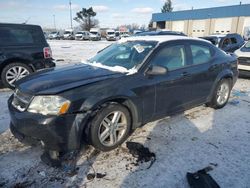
x,y
184,143
65,52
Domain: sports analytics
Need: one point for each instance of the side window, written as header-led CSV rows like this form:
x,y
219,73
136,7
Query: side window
x,y
233,40
6,37
201,54
226,43
172,57
16,36
22,36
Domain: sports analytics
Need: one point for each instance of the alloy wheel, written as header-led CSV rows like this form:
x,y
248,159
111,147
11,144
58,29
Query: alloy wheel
x,y
223,93
112,128
15,73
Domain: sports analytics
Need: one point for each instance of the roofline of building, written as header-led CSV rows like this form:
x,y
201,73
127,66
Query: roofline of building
x,y
204,13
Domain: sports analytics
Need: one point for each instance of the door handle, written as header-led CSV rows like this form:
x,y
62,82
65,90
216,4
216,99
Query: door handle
x,y
213,67
185,74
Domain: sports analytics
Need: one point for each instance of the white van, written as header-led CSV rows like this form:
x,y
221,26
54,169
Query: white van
x,y
82,35
110,35
95,34
68,34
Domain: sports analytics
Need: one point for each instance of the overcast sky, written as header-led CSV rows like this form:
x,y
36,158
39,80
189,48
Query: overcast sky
x,y
110,13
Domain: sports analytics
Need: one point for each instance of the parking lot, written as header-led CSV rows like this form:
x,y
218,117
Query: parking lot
x,y
184,143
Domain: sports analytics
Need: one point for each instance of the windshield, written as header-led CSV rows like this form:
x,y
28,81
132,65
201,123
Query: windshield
x,y
67,32
127,55
93,32
247,45
213,40
111,33
79,33
54,33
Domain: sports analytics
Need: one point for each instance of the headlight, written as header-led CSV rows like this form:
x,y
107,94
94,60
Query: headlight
x,y
49,105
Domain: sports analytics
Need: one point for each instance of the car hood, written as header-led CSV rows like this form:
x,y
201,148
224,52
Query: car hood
x,y
242,53
56,80
66,35
93,35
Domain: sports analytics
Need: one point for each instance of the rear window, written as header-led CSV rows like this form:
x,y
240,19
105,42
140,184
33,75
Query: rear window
x,y
20,36
201,54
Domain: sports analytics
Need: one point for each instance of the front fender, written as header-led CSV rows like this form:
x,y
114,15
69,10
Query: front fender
x,y
128,98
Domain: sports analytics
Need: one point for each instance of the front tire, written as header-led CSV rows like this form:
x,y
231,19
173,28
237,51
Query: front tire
x,y
221,94
13,72
110,127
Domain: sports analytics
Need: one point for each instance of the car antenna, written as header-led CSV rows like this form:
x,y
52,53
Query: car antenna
x,y
26,21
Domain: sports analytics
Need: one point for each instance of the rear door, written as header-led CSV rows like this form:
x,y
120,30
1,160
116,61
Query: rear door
x,y
204,70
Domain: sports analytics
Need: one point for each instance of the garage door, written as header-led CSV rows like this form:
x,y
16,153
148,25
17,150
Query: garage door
x,y
223,25
198,28
247,22
178,26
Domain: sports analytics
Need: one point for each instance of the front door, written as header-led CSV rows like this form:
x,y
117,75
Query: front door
x,y
172,89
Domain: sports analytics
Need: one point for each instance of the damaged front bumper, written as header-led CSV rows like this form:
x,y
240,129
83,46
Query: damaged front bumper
x,y
59,133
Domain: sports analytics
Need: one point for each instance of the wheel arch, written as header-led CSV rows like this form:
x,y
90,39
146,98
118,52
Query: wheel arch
x,y
125,101
227,74
136,118
15,60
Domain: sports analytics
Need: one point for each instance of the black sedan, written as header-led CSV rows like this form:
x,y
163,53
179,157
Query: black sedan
x,y
126,85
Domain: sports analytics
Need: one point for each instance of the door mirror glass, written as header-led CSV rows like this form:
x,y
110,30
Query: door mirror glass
x,y
156,70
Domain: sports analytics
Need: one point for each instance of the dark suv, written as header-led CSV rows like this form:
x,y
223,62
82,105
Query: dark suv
x,y
228,42
126,85
23,50
159,33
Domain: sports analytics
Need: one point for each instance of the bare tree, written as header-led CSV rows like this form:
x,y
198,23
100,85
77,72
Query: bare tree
x,y
167,7
85,18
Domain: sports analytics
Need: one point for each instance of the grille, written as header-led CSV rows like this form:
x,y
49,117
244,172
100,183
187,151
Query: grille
x,y
244,61
21,100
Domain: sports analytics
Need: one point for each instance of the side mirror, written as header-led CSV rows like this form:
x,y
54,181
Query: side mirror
x,y
156,70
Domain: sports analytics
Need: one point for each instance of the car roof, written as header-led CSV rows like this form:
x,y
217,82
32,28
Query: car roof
x,y
162,38
15,24
216,35
222,35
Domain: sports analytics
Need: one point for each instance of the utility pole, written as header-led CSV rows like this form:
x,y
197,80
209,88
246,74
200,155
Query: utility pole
x,y
70,14
54,17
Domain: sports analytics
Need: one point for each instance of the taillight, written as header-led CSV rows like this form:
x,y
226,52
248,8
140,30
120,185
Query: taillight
x,y
47,53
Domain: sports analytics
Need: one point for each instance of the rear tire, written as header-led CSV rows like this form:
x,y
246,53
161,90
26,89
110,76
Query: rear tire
x,y
13,72
110,127
221,94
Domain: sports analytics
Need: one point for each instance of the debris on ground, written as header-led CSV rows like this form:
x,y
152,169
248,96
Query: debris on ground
x,y
241,93
23,184
92,176
141,153
201,179
234,102
194,138
69,161
42,174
